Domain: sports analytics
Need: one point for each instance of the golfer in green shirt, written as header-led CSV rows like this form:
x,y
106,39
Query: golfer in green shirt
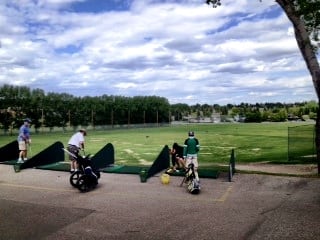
x,y
191,148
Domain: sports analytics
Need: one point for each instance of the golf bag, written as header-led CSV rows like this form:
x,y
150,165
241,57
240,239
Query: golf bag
x,y
193,185
89,177
85,178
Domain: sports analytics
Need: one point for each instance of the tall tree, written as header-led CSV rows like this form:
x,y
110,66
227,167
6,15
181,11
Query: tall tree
x,y
305,18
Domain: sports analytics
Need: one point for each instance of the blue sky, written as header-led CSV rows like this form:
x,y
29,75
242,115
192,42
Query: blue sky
x,y
183,50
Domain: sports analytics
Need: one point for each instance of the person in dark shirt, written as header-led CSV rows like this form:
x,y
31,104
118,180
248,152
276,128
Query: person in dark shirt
x,y
191,148
177,159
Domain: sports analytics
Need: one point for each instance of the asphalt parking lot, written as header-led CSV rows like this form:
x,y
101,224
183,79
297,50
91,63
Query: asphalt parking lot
x,y
41,204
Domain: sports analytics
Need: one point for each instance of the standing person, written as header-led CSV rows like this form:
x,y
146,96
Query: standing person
x,y
191,148
75,144
24,140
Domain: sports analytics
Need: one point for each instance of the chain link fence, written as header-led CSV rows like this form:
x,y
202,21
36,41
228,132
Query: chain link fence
x,y
301,143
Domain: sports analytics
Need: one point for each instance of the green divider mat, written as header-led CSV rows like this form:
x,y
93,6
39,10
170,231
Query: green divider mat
x,y
124,169
9,151
162,162
49,155
65,166
104,157
208,173
57,166
100,160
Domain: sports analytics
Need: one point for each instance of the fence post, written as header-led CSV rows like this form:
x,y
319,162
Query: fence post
x,y
233,161
232,165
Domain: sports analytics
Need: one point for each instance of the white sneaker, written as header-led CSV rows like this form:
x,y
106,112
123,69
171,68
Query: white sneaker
x,y
20,161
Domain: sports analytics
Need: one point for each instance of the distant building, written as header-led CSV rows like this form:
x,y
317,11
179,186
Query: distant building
x,y
216,117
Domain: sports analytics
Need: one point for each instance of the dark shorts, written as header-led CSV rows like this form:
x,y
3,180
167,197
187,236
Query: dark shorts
x,y
73,149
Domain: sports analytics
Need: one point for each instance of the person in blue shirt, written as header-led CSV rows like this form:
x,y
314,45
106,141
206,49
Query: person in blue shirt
x,y
191,148
24,140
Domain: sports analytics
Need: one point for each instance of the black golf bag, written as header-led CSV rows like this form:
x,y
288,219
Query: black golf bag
x,y
193,185
89,177
85,178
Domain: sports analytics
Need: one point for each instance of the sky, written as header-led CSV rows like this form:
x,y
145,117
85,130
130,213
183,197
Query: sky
x,y
183,50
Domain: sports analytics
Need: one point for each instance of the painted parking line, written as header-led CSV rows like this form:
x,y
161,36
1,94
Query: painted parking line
x,y
221,199
225,195
35,187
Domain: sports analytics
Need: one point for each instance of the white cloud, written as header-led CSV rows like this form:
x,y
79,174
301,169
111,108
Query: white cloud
x,y
243,51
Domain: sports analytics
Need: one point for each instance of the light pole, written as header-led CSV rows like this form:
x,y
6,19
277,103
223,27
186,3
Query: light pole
x,y
112,118
42,119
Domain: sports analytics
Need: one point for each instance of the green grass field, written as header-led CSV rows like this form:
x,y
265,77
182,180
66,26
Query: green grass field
x,y
251,142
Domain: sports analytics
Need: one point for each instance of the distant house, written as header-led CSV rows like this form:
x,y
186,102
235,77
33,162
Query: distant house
x,y
238,118
292,117
216,117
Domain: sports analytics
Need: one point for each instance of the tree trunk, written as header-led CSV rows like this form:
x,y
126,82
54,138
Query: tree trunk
x,y
309,55
317,138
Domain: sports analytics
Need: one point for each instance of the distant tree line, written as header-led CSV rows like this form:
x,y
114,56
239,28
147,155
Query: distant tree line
x,y
64,110
259,112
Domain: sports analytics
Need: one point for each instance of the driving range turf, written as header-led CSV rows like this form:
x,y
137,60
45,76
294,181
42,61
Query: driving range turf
x,y
252,142
249,207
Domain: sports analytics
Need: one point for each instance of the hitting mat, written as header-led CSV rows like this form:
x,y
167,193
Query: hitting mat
x,y
203,173
57,166
65,166
52,158
124,169
10,162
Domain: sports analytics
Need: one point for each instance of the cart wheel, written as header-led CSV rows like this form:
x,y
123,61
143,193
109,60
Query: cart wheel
x,y
74,178
83,183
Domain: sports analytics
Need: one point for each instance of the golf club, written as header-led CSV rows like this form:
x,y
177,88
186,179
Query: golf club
x,y
30,151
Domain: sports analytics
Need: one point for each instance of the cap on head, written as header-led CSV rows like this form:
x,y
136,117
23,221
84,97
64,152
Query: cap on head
x,y
28,120
191,134
83,131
